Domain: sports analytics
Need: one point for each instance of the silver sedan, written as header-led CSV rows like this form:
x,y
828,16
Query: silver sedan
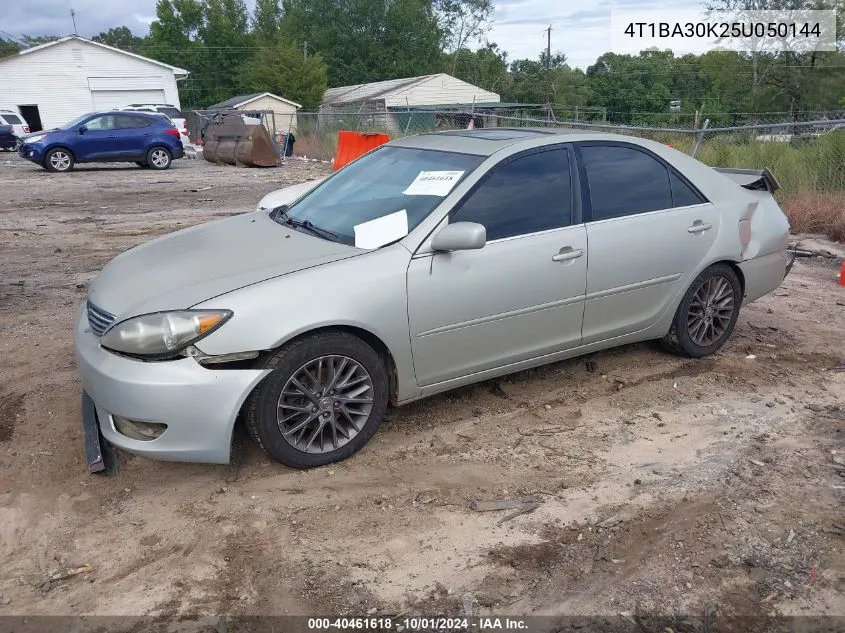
x,y
432,262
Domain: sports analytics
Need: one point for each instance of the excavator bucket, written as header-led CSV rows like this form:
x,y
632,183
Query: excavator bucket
x,y
235,139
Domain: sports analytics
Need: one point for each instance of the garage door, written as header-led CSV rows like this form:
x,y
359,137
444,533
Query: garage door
x,y
114,99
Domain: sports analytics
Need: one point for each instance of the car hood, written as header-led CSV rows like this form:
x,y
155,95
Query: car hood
x,y
184,268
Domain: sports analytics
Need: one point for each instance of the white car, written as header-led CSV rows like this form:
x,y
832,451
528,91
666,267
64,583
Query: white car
x,y
10,117
170,111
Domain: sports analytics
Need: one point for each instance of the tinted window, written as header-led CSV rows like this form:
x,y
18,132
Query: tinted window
x,y
532,193
625,181
133,122
11,119
682,194
173,113
105,122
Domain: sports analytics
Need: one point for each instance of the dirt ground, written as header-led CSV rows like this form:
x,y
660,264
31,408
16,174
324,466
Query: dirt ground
x,y
664,486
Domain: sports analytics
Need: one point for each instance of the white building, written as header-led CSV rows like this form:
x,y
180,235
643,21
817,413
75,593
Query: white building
x,y
403,93
284,110
58,81
389,105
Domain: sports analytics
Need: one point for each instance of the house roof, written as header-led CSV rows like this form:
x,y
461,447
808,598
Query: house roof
x,y
180,73
368,92
240,100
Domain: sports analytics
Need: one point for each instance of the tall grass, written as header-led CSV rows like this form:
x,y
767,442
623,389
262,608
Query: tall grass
x,y
816,165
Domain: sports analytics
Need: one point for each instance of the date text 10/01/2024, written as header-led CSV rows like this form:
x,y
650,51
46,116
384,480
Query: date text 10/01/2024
x,y
418,624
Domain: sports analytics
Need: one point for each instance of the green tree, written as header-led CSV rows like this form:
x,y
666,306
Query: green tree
x,y
367,40
121,37
8,47
266,21
460,22
283,70
486,67
38,40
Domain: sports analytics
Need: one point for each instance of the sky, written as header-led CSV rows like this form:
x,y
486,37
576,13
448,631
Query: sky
x,y
580,28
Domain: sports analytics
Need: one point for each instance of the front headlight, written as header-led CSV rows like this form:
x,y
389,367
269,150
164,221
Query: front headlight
x,y
34,139
162,334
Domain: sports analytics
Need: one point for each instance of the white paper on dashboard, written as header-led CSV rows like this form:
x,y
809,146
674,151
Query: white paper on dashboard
x,y
381,231
433,183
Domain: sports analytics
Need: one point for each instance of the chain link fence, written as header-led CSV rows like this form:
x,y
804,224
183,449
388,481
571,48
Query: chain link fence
x,y
806,155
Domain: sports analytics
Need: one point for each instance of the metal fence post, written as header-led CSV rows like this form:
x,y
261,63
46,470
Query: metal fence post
x,y
698,136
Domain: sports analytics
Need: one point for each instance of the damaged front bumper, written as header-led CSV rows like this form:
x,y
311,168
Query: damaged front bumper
x,y
197,405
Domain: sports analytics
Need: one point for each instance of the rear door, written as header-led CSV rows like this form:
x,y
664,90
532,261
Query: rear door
x,y
648,229
133,133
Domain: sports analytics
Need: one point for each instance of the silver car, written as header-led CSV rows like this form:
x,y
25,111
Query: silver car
x,y
432,262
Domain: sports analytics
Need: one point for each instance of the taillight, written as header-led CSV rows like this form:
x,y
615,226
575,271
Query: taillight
x,y
172,131
26,129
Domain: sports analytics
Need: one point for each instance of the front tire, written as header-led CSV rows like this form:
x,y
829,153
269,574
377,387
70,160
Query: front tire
x,y
158,158
325,399
708,312
58,160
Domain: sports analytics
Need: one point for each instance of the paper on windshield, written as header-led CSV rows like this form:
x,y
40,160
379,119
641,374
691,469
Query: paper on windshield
x,y
433,183
381,231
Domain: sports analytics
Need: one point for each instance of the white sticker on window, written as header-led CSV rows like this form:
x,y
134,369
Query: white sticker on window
x,y
381,231
433,183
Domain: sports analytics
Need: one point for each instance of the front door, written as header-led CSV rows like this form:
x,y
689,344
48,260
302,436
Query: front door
x,y
97,141
521,295
648,229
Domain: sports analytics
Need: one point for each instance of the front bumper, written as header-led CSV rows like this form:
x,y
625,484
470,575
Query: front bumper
x,y
31,152
198,405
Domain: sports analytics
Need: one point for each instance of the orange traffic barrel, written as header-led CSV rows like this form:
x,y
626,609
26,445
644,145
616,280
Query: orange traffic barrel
x,y
351,145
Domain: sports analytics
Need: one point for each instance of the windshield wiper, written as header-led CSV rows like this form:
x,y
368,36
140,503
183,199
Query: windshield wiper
x,y
308,226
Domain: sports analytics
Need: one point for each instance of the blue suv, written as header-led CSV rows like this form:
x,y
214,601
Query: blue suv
x,y
148,140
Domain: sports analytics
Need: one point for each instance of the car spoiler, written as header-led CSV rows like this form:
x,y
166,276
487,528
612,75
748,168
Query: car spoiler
x,y
753,179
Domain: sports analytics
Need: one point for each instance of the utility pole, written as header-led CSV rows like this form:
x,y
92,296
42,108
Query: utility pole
x,y
73,17
305,50
549,66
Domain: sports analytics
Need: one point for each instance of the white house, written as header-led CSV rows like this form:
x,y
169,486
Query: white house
x,y
412,91
284,110
58,81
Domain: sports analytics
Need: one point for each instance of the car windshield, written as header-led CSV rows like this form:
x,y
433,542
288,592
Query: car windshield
x,y
380,197
75,121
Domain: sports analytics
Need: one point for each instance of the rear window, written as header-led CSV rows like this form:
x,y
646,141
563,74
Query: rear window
x,y
173,113
11,119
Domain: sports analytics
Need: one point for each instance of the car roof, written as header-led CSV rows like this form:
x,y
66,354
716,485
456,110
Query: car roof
x,y
488,141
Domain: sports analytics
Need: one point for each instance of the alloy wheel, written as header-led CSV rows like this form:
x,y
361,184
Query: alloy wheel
x,y
710,311
60,161
325,404
159,158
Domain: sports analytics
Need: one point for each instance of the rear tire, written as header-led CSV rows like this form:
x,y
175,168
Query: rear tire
x,y
159,158
307,394
58,160
707,314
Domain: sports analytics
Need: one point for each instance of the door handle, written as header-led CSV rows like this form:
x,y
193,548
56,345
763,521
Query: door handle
x,y
567,254
699,227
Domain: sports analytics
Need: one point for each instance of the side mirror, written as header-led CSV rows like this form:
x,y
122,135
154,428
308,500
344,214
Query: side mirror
x,y
460,236
83,129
